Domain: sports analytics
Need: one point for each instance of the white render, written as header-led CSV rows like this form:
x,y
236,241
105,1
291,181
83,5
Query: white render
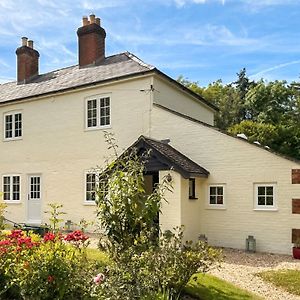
x,y
57,145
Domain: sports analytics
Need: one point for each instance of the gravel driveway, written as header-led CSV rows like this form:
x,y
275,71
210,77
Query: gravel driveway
x,y
240,269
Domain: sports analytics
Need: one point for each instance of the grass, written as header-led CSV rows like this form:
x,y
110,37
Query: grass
x,y
95,254
289,280
207,287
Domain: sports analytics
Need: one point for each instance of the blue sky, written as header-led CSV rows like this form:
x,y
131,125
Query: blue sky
x,y
203,40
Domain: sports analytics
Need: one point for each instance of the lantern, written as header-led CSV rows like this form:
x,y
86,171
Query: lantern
x,y
250,244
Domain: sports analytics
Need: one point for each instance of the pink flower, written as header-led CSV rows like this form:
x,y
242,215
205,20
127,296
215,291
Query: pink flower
x,y
99,278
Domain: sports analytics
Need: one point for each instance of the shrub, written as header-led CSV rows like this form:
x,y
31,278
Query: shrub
x,y
32,267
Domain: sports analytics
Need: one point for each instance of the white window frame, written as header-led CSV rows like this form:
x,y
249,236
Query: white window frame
x,y
98,114
216,206
13,114
265,207
90,202
11,201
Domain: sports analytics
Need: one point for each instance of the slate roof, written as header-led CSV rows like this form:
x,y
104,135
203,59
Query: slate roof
x,y
111,69
171,157
115,66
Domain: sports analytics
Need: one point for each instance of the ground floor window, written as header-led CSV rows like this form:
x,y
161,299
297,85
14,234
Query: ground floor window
x,y
11,187
90,187
216,195
265,196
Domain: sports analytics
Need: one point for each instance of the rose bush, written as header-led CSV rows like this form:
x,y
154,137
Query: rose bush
x,y
51,267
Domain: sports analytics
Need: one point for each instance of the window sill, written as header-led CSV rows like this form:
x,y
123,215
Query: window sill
x,y
90,203
193,198
13,139
97,128
265,209
12,202
216,207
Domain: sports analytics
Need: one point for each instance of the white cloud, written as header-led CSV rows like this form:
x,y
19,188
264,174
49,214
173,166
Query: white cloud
x,y
259,74
181,3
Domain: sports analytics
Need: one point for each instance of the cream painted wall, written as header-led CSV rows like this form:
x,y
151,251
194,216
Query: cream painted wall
x,y
169,95
56,144
238,165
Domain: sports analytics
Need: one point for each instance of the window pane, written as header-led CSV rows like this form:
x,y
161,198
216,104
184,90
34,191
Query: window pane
x,y
104,111
220,190
192,188
8,126
213,190
212,200
18,125
90,187
16,188
261,200
219,199
92,113
261,190
269,200
269,190
6,188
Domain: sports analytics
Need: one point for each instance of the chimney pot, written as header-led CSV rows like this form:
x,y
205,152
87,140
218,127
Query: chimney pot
x,y
92,18
85,21
24,41
30,44
97,20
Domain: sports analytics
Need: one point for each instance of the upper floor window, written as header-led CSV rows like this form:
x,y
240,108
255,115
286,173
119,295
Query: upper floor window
x,y
98,111
13,125
216,195
265,197
11,187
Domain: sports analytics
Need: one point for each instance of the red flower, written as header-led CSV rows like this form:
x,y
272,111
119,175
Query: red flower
x,y
49,236
76,236
15,234
50,278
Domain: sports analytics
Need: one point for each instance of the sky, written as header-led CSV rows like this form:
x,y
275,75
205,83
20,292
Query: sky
x,y
202,40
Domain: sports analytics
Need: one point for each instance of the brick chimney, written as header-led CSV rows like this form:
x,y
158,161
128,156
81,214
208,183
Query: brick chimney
x,y
27,61
91,42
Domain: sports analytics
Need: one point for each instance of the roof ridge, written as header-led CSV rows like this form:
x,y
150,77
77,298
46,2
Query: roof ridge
x,y
138,60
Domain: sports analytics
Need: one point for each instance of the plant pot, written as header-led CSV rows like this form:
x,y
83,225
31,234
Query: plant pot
x,y
296,252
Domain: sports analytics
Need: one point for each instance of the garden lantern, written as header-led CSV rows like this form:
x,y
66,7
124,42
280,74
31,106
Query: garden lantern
x,y
250,244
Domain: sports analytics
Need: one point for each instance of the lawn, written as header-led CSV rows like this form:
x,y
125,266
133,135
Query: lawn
x,y
206,287
289,280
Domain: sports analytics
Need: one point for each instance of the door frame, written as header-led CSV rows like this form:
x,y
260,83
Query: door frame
x,y
28,221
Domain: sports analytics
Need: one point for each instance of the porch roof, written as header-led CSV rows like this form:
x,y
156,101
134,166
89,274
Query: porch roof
x,y
165,157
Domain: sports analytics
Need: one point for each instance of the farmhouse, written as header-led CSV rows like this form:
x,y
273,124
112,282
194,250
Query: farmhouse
x,y
52,137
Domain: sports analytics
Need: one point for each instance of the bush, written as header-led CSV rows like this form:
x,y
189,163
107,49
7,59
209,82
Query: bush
x,y
160,271
32,267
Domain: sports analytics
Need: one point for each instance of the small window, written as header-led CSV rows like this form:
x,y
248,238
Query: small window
x,y
192,188
13,126
11,188
98,112
265,196
90,187
216,195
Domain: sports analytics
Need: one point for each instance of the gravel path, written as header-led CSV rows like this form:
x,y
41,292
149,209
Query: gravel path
x,y
240,269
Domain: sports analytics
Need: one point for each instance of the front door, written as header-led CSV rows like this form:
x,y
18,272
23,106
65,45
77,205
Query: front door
x,y
34,199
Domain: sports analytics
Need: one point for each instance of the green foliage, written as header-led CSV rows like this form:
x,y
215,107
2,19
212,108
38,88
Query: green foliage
x,y
2,219
55,216
207,287
288,280
272,107
160,272
126,212
261,132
